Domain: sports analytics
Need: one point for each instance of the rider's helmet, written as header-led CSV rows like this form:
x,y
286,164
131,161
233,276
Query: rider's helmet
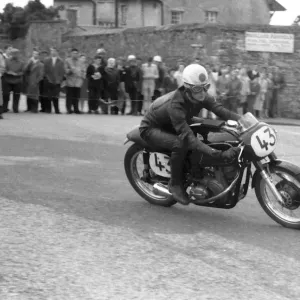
x,y
157,58
195,80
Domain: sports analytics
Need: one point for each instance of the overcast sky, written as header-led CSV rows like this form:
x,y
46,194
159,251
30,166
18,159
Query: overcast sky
x,y
280,18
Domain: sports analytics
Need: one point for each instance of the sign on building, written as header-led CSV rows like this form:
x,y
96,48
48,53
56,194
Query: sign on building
x,y
269,42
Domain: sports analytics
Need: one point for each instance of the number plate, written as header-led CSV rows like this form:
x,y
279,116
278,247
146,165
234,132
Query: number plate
x,y
160,164
263,141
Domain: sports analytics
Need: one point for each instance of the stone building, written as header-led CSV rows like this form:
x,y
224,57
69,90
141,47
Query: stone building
x,y
139,13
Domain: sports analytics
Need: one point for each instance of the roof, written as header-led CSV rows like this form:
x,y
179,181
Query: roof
x,y
275,6
215,5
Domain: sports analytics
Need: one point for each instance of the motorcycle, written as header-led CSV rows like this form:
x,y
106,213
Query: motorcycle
x,y
221,184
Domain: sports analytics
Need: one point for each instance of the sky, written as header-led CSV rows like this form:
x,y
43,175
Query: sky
x,y
279,18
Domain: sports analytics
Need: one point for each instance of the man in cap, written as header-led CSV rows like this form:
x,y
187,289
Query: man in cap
x,y
132,80
13,78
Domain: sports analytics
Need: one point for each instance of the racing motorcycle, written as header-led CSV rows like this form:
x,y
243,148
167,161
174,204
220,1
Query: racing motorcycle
x,y
221,184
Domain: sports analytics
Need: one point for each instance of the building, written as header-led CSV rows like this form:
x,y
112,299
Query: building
x,y
139,13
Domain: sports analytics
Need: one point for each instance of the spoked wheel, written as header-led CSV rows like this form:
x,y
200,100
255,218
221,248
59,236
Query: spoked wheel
x,y
287,182
133,163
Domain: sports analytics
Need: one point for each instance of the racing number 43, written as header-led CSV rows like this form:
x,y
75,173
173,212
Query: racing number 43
x,y
265,144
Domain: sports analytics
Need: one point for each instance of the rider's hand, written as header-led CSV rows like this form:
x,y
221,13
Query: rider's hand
x,y
230,154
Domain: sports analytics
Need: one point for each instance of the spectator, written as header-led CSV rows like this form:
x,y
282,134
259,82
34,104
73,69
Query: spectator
x,y
84,88
159,81
253,73
245,89
132,79
140,96
112,83
254,92
150,74
101,52
13,79
170,83
34,73
2,69
95,80
43,99
197,61
260,99
75,74
222,86
178,75
54,76
7,51
269,94
234,91
122,93
212,79
279,84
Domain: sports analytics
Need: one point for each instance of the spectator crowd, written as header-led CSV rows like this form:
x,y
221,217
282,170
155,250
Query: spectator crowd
x,y
118,82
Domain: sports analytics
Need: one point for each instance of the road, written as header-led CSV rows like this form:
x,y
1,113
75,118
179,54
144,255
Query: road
x,y
71,227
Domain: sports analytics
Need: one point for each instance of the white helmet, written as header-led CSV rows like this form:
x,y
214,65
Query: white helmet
x,y
131,57
195,75
157,58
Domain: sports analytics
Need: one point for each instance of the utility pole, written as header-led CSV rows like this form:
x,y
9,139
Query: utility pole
x,y
116,13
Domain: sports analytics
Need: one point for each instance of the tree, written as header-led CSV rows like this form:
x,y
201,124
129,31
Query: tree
x,y
15,20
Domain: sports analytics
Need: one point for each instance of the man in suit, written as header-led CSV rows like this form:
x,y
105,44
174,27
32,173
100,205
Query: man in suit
x,y
54,74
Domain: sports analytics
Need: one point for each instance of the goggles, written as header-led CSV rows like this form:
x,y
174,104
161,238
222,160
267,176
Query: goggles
x,y
198,88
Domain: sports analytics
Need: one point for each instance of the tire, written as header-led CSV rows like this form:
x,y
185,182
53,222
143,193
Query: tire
x,y
294,173
129,163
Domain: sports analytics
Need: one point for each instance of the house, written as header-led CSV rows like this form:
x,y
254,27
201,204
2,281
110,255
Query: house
x,y
139,13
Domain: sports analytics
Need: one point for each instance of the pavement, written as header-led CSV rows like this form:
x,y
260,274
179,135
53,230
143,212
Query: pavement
x,y
71,226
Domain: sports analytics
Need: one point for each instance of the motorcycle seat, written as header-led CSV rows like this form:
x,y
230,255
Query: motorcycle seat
x,y
135,136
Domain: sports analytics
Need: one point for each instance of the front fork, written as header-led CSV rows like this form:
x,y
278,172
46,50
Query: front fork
x,y
268,179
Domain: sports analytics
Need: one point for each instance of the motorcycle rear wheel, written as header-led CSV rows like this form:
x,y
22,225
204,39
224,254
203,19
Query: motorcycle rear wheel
x,y
282,214
144,189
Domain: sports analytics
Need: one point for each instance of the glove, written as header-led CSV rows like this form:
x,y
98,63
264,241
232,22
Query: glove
x,y
230,154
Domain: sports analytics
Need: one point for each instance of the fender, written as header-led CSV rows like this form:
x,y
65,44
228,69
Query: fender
x,y
279,163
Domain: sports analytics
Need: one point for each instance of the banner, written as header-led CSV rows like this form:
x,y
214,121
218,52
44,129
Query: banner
x,y
269,42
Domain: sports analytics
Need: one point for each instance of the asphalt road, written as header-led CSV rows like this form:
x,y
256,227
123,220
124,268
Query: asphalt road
x,y
71,227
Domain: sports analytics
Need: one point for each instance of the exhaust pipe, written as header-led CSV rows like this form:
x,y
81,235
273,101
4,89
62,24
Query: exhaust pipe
x,y
161,190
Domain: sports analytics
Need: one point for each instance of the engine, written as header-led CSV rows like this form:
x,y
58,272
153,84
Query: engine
x,y
212,182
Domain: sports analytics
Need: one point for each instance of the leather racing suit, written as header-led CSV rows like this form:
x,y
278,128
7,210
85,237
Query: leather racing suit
x,y
167,124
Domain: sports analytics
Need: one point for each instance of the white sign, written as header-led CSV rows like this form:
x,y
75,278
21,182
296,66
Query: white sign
x,y
160,164
269,42
263,141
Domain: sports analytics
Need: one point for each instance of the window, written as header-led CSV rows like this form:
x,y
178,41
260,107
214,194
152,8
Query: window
x,y
124,10
176,17
211,16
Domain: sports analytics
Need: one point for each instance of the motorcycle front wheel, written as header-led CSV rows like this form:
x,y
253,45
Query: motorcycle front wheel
x,y
133,164
286,178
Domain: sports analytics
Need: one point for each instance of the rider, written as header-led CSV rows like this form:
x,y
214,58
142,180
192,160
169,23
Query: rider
x,y
167,124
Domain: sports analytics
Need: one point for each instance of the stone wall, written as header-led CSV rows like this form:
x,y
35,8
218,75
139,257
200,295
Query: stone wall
x,y
226,43
43,35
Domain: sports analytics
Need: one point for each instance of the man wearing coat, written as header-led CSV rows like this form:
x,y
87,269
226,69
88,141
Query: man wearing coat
x,y
75,73
34,72
54,75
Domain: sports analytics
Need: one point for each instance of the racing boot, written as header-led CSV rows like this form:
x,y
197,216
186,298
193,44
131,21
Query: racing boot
x,y
176,184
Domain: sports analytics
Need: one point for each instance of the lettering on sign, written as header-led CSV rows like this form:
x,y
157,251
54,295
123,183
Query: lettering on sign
x,y
269,42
